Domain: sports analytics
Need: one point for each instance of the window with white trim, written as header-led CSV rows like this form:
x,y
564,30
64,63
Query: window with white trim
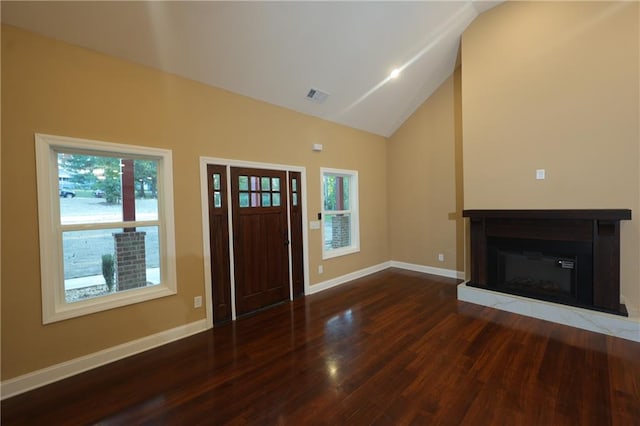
x,y
106,225
340,224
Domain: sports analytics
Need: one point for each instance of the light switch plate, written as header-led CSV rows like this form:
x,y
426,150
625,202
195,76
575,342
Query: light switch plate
x,y
540,174
314,224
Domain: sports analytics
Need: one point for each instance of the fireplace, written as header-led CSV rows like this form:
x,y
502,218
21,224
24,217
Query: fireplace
x,y
563,256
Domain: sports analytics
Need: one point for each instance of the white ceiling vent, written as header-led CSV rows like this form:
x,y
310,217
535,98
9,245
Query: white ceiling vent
x,y
317,96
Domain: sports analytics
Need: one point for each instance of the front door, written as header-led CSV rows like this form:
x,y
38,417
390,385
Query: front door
x,y
260,238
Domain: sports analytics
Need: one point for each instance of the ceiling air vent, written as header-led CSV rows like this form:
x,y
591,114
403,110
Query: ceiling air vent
x,y
317,96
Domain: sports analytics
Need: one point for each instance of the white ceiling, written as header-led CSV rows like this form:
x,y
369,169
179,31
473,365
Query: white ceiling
x,y
277,51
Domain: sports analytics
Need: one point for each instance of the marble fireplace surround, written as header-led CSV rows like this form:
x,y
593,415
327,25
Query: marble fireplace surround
x,y
599,227
600,322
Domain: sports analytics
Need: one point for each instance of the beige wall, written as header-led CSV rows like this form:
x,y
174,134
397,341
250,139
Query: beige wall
x,y
554,85
425,182
51,87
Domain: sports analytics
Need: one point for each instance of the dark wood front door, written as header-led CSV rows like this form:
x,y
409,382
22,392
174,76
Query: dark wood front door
x,y
260,237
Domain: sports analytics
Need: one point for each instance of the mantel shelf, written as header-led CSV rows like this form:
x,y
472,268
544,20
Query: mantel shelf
x,y
585,214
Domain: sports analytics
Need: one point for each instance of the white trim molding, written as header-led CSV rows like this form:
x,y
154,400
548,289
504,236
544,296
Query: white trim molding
x,y
45,376
449,273
325,285
599,322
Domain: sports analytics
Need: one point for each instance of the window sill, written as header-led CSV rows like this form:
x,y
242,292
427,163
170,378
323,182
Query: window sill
x,y
65,311
340,252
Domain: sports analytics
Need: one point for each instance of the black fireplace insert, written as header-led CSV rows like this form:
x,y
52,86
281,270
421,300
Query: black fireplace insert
x,y
557,271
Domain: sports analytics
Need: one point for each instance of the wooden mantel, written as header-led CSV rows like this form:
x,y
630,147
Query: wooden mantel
x,y
599,227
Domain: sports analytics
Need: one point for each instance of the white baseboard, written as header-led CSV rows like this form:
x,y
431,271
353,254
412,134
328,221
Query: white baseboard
x,y
325,285
449,273
45,376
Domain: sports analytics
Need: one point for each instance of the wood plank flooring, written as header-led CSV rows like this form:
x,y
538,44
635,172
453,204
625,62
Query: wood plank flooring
x,y
393,348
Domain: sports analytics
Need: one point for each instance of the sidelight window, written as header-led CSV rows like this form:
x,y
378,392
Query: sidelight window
x,y
340,224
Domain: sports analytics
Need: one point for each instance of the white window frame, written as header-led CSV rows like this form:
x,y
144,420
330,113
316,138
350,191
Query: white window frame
x,y
54,306
353,212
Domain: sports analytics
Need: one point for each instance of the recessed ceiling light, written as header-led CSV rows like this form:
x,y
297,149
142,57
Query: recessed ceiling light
x,y
395,73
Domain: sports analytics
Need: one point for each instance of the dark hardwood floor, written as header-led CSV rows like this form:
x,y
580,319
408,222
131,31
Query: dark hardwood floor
x,y
392,348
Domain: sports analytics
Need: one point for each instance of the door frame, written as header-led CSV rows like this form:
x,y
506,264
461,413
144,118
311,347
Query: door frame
x,y
228,163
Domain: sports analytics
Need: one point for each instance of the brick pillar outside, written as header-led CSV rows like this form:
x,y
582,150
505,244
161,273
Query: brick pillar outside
x,y
340,231
131,267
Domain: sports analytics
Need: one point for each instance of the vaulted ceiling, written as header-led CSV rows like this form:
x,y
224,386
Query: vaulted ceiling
x,y
277,51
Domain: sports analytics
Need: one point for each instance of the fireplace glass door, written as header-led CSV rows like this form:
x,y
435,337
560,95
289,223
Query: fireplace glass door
x,y
558,271
536,272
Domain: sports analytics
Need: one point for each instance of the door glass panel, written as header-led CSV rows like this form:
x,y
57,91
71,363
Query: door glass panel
x,y
243,183
276,199
244,199
217,200
275,184
266,185
294,185
266,199
255,199
255,183
295,199
216,181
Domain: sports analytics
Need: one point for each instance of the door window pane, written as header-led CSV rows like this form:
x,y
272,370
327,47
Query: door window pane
x,y
217,199
295,199
243,183
266,199
266,184
275,184
244,199
255,183
276,199
294,185
216,181
255,199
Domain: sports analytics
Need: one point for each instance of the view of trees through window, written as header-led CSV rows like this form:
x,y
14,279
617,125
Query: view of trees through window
x,y
100,254
102,175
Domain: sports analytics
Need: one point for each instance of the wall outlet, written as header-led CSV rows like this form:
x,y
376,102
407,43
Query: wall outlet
x,y
197,302
441,257
320,269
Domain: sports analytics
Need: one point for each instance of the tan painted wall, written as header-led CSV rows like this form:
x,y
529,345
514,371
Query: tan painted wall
x,y
425,182
554,85
51,87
